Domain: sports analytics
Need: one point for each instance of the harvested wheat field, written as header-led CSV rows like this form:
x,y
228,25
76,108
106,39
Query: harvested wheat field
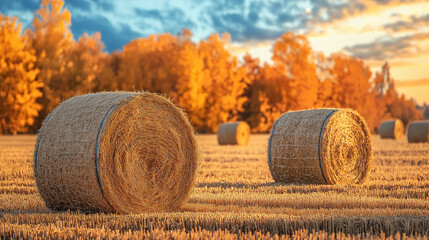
x,y
234,197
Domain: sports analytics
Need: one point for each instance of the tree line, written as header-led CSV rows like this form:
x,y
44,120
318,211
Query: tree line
x,y
45,65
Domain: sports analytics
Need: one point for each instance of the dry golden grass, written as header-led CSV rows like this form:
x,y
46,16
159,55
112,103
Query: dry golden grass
x,y
235,196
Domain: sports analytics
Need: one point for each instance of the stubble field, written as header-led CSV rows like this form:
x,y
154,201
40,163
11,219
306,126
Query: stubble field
x,y
236,197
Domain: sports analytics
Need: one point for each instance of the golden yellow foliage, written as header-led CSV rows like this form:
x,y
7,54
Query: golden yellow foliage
x,y
205,79
83,60
18,84
293,57
51,37
225,84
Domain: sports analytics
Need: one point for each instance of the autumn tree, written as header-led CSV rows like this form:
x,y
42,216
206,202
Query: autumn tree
x,y
18,83
205,79
325,94
170,65
264,102
353,87
51,38
191,75
254,89
352,79
396,106
146,64
106,78
404,109
294,59
224,84
83,64
290,83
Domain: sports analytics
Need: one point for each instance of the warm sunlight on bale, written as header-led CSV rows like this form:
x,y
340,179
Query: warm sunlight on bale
x,y
116,152
418,131
233,133
392,129
326,146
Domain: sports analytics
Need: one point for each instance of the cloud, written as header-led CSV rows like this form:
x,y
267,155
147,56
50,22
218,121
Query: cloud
x,y
328,11
268,20
248,21
242,28
113,37
89,5
414,23
386,48
170,20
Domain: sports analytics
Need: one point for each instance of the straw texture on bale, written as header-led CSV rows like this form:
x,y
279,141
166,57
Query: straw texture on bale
x,y
233,133
418,131
323,146
392,129
116,152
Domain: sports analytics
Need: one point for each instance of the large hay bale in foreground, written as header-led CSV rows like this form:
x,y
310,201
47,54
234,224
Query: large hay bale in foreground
x,y
116,152
392,129
418,131
326,146
233,133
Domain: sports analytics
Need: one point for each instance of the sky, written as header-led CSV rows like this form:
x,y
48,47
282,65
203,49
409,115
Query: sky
x,y
376,31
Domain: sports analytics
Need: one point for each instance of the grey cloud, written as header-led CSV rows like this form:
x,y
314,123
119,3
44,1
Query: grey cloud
x,y
89,5
393,47
335,11
245,23
171,20
414,23
114,38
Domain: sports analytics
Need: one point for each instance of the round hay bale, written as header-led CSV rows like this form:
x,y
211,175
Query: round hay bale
x,y
418,131
116,152
392,129
325,146
233,133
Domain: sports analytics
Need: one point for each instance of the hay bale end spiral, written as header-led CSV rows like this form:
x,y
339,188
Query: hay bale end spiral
x,y
120,152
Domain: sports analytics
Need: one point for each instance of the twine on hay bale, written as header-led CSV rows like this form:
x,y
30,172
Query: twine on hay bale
x,y
418,131
116,152
392,129
233,133
325,146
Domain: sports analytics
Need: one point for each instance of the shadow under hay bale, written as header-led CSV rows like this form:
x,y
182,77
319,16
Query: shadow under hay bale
x,y
324,146
233,133
392,129
418,131
116,152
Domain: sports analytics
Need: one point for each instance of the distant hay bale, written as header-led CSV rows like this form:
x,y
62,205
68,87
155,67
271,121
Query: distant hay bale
x,y
116,152
325,146
233,133
418,131
392,129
